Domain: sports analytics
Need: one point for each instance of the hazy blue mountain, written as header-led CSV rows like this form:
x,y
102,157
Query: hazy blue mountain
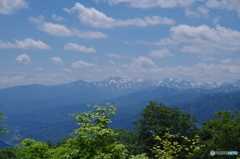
x,y
203,107
81,91
41,112
78,92
187,84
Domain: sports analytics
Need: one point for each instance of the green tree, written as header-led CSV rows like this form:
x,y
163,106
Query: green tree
x,y
92,140
30,148
168,148
221,134
1,128
130,140
156,118
8,153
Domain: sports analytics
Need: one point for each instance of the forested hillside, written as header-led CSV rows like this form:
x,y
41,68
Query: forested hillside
x,y
161,132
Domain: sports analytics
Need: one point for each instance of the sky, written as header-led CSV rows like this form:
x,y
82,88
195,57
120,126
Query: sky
x,y
61,41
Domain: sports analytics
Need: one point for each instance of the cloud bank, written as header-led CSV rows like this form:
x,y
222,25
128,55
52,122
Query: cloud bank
x,y
97,19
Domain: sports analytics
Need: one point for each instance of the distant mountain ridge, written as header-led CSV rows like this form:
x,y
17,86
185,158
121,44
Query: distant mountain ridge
x,y
35,111
81,91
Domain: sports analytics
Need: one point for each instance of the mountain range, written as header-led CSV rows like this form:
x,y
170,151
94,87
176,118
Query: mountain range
x,y
41,112
81,91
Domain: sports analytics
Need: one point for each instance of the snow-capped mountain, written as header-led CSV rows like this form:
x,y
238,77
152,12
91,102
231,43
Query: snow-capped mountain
x,y
187,84
81,91
129,85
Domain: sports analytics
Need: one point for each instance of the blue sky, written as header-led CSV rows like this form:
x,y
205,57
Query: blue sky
x,y
60,41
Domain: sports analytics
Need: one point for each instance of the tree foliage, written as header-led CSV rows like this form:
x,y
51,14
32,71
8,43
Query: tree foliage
x,y
1,128
221,133
162,132
157,118
92,140
169,148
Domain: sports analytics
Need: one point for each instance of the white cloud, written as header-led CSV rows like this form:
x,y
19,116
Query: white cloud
x,y
114,56
226,61
203,11
197,13
15,79
38,20
94,58
206,40
125,42
67,70
23,59
231,5
206,58
216,19
142,62
39,69
62,30
82,64
160,53
198,72
1,61
117,56
229,61
97,19
153,3
10,6
56,60
80,48
10,80
164,41
112,62
26,44
57,18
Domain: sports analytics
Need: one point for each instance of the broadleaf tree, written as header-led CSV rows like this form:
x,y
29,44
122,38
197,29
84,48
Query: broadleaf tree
x,y
158,118
1,128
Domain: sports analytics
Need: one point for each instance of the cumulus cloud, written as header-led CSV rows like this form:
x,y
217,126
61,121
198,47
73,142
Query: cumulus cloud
x,y
216,19
197,13
23,59
114,56
80,48
97,19
125,42
11,80
112,62
10,6
160,53
38,20
56,60
201,39
206,58
62,30
231,61
82,64
39,69
67,70
231,5
57,18
206,40
117,56
164,41
198,72
142,62
94,58
151,4
26,44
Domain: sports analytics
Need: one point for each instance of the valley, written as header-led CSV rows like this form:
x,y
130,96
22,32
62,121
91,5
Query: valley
x,y
42,112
